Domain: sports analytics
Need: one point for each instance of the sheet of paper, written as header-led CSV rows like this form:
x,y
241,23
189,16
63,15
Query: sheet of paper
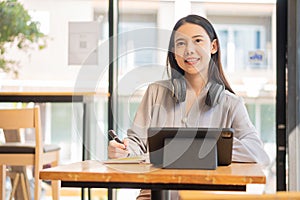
x,y
128,160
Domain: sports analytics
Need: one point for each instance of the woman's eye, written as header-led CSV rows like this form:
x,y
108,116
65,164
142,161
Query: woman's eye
x,y
178,44
198,41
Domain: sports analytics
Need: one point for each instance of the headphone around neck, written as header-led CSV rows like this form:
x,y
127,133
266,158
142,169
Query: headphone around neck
x,y
213,97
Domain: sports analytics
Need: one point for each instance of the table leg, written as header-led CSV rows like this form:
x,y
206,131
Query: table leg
x,y
82,194
160,194
109,194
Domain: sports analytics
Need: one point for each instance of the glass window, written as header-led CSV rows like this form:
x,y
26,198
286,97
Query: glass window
x,y
244,47
49,70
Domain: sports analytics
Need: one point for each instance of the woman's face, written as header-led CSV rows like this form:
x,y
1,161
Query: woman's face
x,y
193,49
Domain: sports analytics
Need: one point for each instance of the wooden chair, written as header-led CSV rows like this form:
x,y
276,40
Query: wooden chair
x,y
18,178
23,154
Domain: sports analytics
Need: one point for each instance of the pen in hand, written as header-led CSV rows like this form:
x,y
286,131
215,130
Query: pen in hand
x,y
114,136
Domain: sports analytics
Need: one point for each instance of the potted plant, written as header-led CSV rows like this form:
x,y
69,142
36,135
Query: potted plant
x,y
17,30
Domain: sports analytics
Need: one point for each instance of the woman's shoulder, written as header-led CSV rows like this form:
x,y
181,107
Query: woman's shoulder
x,y
232,98
159,91
160,85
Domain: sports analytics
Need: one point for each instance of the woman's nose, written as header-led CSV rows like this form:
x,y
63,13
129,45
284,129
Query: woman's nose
x,y
190,48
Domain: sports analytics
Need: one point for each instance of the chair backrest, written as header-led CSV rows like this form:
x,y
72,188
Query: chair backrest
x,y
14,119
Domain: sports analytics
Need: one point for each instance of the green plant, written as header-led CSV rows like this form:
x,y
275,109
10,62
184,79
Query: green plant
x,y
17,30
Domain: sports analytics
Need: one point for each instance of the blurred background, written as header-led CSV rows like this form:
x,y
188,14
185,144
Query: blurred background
x,y
77,34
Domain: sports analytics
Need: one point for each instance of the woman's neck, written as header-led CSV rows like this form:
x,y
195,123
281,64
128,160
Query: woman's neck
x,y
196,82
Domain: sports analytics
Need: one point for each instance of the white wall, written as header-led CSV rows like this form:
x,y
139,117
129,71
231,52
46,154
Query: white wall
x,y
52,63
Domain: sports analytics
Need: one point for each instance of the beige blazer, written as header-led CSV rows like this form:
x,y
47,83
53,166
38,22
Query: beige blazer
x,y
158,108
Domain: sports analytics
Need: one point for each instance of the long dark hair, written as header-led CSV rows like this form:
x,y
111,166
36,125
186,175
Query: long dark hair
x,y
215,70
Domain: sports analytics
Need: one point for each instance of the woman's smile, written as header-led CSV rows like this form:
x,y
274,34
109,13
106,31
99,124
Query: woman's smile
x,y
192,61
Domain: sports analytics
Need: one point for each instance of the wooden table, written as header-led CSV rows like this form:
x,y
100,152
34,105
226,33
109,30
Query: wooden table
x,y
43,96
95,174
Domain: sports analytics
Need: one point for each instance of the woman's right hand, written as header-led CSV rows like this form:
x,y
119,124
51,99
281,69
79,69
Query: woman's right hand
x,y
118,150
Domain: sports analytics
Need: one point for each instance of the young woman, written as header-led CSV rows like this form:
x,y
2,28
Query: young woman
x,y
197,95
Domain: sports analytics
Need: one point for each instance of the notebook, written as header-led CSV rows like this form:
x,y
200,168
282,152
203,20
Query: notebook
x,y
202,148
127,160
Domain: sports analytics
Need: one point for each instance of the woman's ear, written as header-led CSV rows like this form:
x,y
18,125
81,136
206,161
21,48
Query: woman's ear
x,y
214,46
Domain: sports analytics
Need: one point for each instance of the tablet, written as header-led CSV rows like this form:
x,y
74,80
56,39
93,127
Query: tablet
x,y
222,137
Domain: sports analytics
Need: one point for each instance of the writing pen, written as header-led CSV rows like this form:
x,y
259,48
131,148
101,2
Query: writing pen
x,y
114,136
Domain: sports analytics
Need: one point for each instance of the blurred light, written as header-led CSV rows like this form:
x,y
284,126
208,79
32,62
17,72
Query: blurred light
x,y
254,85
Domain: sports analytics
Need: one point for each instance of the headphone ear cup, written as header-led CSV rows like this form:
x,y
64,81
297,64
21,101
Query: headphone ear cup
x,y
214,94
179,86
